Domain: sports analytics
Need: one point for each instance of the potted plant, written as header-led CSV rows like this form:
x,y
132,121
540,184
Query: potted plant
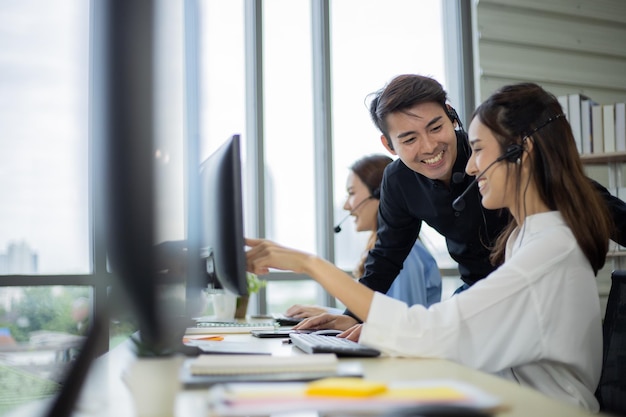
x,y
254,286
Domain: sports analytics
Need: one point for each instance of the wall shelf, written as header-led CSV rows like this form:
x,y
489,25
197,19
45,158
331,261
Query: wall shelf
x,y
603,158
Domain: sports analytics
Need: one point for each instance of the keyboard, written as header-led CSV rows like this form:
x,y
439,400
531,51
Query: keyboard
x,y
221,327
314,343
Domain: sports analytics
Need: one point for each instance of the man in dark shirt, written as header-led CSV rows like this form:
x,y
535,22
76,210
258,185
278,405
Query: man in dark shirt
x,y
421,186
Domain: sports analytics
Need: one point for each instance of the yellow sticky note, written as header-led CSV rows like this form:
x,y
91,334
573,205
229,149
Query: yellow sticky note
x,y
345,387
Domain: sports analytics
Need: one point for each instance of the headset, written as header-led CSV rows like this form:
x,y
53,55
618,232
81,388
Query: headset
x,y
458,177
512,153
453,115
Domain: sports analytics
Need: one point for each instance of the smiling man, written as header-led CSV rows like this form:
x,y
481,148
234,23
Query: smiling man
x,y
419,127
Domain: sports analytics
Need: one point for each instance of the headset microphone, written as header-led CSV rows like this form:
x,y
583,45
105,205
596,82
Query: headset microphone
x,y
458,177
511,154
337,228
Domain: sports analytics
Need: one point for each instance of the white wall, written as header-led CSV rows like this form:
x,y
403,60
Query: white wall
x,y
566,46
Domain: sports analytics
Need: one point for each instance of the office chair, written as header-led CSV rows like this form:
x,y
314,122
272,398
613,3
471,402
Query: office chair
x,y
611,392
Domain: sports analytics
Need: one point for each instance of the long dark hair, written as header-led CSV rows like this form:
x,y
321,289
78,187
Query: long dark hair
x,y
369,169
525,111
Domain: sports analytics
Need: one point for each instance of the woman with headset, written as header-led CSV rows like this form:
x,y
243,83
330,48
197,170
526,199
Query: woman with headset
x,y
419,281
536,319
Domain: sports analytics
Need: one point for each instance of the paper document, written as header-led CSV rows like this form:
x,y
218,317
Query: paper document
x,y
254,364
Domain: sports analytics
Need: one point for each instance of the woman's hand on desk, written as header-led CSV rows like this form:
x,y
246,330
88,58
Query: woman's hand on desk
x,y
353,333
301,311
327,321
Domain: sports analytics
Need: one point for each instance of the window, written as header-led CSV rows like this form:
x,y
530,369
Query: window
x,y
221,79
44,213
44,178
370,45
288,104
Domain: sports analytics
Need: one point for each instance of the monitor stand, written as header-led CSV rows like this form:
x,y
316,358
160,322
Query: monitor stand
x,y
181,326
175,330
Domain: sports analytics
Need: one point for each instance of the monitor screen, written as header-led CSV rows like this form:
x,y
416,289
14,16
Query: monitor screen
x,y
222,243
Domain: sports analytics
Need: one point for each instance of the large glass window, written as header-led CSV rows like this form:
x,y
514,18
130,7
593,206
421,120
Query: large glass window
x,y
289,149
288,101
370,45
222,73
44,182
43,147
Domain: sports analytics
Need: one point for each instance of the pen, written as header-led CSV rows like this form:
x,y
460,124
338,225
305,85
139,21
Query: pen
x,y
207,337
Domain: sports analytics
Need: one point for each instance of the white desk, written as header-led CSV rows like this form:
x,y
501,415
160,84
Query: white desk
x,y
106,394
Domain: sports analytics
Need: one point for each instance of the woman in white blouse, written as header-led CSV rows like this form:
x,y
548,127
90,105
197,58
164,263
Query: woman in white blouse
x,y
535,320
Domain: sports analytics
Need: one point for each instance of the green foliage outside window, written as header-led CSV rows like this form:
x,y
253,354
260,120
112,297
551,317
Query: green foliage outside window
x,y
47,308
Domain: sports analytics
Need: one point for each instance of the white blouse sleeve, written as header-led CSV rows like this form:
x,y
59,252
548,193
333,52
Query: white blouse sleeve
x,y
498,323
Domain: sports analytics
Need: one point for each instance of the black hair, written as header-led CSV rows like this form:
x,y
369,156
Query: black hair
x,y
402,93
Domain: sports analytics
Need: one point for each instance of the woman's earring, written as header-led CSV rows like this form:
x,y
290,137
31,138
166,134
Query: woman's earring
x,y
519,161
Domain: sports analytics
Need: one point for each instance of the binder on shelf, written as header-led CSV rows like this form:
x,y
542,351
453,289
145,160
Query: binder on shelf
x,y
586,127
597,129
575,118
608,116
620,127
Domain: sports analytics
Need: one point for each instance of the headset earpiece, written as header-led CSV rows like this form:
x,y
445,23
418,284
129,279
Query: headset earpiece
x,y
454,117
513,153
376,193
452,114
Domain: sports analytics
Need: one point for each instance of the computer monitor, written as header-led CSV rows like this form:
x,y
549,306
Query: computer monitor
x,y
215,248
222,243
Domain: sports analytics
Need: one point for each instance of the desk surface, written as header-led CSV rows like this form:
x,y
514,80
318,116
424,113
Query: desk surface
x,y
106,390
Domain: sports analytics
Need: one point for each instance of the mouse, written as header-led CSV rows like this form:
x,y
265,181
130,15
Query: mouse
x,y
327,332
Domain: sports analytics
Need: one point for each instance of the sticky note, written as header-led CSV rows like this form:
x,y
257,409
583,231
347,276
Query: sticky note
x,y
345,387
